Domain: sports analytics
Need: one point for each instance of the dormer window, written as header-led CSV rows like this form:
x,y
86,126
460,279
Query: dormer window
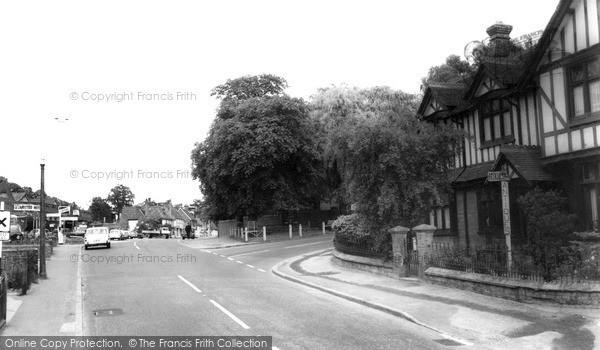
x,y
495,123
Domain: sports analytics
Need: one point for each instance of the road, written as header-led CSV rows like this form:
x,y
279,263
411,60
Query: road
x,y
164,287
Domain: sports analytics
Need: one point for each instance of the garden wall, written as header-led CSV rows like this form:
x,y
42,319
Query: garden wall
x,y
523,291
372,265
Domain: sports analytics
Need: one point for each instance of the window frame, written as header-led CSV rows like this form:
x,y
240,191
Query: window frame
x,y
585,83
488,110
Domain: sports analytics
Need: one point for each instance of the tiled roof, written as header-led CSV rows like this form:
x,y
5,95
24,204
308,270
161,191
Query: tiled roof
x,y
507,72
525,161
448,95
131,213
474,172
18,196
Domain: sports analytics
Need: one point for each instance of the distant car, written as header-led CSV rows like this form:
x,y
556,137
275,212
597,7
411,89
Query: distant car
x,y
78,232
96,236
115,234
188,233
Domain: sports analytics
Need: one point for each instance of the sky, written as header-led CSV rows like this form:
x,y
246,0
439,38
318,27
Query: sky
x,y
118,92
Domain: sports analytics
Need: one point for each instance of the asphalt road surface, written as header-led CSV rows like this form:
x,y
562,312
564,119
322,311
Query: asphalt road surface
x,y
163,287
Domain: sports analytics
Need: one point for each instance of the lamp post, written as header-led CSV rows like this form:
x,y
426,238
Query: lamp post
x,y
42,223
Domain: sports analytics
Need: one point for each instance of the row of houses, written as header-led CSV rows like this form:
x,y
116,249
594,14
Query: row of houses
x,y
176,217
27,208
536,118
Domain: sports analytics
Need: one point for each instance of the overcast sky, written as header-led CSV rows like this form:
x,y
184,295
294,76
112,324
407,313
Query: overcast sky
x,y
59,58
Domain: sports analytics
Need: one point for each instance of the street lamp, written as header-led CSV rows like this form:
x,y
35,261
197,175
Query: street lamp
x,y
42,222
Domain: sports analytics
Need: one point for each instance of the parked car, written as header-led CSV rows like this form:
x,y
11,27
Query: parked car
x,y
132,234
96,236
79,231
116,234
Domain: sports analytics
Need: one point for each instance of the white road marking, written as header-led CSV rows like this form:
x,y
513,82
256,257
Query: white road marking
x,y
275,348
135,245
261,270
68,327
239,262
230,259
189,284
232,316
250,266
222,256
250,253
215,253
302,245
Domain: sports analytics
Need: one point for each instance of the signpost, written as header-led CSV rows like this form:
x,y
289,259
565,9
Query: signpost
x,y
495,176
4,225
61,210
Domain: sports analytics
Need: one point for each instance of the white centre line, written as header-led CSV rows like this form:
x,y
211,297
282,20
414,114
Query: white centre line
x,y
221,255
189,284
261,270
239,262
135,245
230,259
250,266
232,316
302,245
249,253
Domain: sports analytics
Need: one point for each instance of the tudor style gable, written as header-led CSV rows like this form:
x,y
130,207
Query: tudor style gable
x,y
568,68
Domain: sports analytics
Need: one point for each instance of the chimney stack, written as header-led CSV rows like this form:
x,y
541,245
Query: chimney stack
x,y
500,39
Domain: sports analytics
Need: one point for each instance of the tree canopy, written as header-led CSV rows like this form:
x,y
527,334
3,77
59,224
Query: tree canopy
x,y
120,196
453,70
391,164
100,210
262,156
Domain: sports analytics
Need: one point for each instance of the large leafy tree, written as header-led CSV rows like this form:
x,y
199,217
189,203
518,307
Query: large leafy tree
x,y
260,155
120,196
454,70
100,210
390,163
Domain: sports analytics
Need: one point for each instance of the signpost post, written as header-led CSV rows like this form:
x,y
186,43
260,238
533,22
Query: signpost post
x,y
502,177
61,210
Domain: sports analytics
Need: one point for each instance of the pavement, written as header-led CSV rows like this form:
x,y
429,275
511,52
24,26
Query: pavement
x,y
57,296
461,317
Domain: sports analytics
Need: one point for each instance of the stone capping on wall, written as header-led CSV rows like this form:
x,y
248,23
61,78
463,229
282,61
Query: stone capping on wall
x,y
519,290
373,265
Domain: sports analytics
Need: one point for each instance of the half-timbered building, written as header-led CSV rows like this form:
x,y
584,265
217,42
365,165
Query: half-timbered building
x,y
534,116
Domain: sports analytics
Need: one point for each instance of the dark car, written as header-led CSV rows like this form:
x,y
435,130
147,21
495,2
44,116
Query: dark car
x,y
188,233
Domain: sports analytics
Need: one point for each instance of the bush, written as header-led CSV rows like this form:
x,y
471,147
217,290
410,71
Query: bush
x,y
549,227
346,225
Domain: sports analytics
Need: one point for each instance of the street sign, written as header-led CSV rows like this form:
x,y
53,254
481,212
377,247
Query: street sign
x,y
497,176
64,210
5,221
26,207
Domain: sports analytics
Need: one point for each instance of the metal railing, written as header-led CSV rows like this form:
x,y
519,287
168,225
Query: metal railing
x,y
526,264
20,265
3,299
